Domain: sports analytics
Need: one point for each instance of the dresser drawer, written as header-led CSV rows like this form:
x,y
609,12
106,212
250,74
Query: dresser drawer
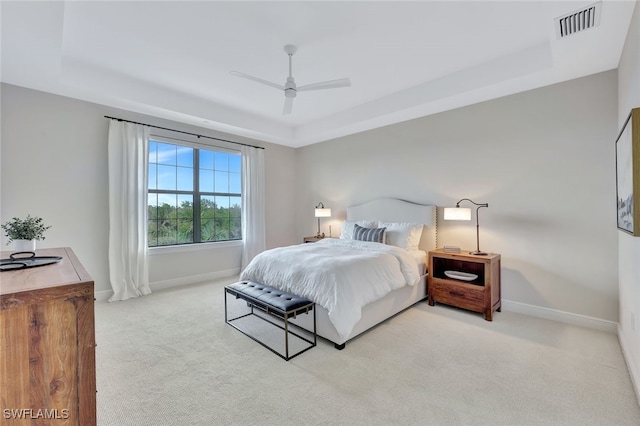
x,y
465,296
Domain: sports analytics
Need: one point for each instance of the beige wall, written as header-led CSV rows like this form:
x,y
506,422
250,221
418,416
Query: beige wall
x,y
542,159
628,246
54,165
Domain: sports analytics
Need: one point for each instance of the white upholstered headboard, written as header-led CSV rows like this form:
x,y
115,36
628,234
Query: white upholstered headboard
x,y
395,210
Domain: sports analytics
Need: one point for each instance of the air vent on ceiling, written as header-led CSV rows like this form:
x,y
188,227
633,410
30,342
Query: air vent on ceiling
x,y
578,21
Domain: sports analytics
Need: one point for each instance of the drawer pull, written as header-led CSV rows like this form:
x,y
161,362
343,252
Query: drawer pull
x,y
455,293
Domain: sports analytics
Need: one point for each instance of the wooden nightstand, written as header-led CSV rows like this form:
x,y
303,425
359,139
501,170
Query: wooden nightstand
x,y
481,294
313,239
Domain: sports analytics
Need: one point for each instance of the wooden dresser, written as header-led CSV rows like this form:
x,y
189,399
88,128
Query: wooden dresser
x,y
47,344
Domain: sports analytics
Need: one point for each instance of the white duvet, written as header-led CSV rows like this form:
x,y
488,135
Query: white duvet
x,y
340,275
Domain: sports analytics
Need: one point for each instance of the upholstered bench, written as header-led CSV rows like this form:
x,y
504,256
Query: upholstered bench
x,y
276,304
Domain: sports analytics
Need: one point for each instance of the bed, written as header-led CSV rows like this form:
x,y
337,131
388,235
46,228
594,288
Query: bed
x,y
403,285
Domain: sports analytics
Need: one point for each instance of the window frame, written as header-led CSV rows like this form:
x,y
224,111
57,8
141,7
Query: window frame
x,y
196,195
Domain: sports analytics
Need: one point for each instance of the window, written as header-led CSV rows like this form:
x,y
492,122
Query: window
x,y
194,195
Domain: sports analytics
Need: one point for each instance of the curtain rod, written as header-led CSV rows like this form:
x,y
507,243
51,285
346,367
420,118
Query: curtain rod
x,y
180,131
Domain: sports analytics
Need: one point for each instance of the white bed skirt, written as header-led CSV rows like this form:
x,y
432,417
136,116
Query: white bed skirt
x,y
372,314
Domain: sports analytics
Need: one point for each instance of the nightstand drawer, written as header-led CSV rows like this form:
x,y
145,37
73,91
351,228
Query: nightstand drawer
x,y
465,296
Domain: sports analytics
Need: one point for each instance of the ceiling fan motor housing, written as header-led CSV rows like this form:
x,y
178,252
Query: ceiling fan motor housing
x,y
290,88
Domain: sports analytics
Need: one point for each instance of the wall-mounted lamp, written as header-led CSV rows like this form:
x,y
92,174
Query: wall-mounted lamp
x,y
459,213
321,211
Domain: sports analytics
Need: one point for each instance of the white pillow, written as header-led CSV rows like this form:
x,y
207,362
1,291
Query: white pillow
x,y
348,225
403,235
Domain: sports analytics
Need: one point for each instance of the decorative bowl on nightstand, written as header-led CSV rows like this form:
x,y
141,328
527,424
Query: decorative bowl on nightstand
x,y
457,275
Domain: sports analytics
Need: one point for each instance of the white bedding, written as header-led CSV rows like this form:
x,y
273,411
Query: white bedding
x,y
420,257
340,275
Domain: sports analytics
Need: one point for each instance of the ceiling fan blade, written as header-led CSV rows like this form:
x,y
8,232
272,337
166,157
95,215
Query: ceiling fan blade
x,y
256,79
331,84
288,106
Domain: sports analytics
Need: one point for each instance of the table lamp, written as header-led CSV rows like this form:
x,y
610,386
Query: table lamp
x,y
321,211
460,213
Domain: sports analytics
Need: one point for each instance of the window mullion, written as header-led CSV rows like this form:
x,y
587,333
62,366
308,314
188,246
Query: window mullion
x,y
197,223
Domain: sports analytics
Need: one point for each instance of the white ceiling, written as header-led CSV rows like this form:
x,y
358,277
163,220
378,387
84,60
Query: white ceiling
x,y
172,59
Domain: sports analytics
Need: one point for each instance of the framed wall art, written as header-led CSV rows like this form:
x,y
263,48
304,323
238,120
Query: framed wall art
x,y
628,174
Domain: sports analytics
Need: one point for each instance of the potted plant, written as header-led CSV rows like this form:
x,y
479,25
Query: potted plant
x,y
24,232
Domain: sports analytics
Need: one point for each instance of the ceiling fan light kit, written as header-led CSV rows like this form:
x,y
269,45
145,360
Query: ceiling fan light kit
x,y
290,89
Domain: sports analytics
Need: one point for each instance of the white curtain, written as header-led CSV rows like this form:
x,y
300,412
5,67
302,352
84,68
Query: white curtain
x,y
253,211
128,165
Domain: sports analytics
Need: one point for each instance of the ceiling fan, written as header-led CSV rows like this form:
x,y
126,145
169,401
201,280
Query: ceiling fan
x,y
290,89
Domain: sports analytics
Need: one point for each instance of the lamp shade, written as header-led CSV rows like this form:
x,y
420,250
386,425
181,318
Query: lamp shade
x,y
323,212
457,213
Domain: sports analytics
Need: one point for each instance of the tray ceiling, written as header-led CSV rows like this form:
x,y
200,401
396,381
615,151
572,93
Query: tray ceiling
x,y
404,59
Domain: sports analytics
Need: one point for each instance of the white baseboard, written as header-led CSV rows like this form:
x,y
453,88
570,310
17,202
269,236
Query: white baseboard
x,y
177,282
560,316
633,369
103,296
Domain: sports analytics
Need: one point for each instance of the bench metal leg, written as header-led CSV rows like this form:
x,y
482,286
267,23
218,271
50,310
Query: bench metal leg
x,y
286,338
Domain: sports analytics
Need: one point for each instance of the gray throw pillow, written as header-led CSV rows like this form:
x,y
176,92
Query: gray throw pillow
x,y
375,235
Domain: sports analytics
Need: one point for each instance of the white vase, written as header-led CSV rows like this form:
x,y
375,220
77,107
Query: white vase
x,y
24,245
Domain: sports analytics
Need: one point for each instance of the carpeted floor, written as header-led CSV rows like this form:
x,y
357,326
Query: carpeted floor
x,y
169,359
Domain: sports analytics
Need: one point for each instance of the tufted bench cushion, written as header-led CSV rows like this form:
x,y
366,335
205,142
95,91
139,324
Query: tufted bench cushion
x,y
269,296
